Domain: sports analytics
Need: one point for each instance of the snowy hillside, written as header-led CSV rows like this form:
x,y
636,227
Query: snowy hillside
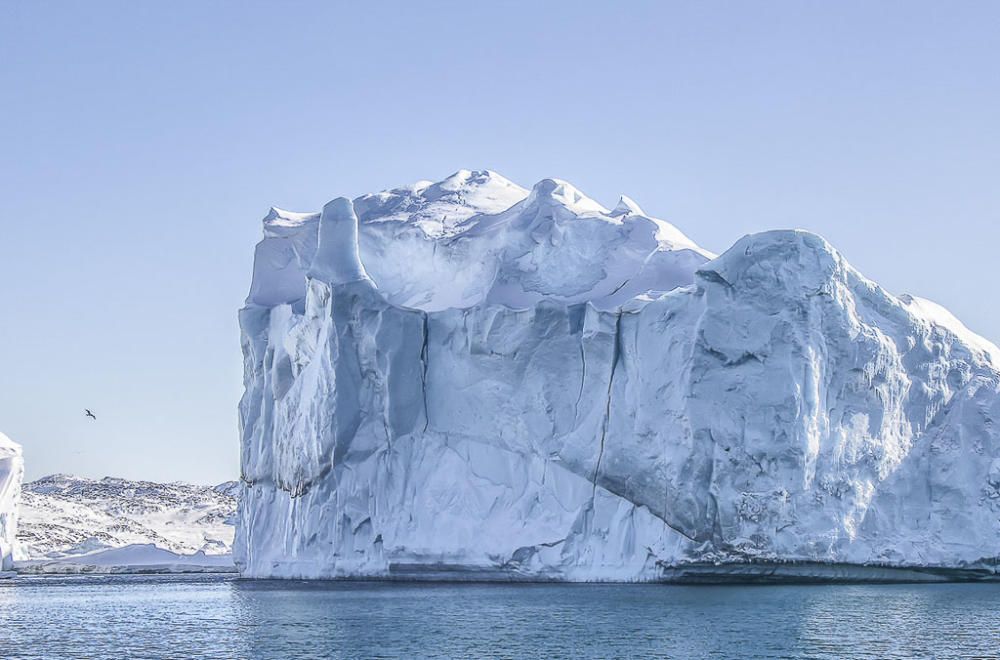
x,y
65,518
470,379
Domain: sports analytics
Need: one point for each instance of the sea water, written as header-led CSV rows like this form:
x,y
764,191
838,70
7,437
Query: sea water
x,y
225,617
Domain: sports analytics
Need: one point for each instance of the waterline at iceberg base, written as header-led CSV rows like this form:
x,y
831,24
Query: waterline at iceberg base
x,y
470,380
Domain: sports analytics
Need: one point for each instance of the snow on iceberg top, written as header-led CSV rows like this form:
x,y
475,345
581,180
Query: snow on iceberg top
x,y
777,270
8,448
934,314
476,238
441,209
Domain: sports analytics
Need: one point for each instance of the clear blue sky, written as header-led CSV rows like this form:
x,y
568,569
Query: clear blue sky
x,y
141,143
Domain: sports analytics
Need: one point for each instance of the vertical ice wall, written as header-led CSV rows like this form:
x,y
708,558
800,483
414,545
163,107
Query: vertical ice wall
x,y
557,391
11,474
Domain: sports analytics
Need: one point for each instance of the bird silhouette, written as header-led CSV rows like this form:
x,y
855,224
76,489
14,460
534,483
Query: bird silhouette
x,y
89,414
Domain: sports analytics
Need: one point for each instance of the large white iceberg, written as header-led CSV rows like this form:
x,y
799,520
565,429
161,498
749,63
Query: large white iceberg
x,y
470,380
11,474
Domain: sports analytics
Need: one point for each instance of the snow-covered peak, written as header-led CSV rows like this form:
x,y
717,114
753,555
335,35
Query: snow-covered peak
x,y
625,206
549,193
479,186
440,209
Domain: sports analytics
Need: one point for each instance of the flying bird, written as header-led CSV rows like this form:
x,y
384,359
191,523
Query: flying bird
x,y
89,414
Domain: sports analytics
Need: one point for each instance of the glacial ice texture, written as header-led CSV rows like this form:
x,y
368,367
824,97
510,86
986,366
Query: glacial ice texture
x,y
11,474
470,380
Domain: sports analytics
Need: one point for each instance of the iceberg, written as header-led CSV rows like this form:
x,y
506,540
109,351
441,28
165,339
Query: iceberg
x,y
471,380
11,474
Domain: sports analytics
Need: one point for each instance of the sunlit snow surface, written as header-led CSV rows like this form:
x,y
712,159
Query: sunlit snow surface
x,y
470,380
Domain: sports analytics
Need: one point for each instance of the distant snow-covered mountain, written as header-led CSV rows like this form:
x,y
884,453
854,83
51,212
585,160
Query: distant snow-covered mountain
x,y
65,518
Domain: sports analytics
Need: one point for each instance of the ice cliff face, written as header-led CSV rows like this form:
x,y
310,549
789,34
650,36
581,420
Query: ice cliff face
x,y
470,379
11,474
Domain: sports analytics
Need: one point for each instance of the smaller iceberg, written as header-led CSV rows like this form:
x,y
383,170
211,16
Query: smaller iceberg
x,y
11,474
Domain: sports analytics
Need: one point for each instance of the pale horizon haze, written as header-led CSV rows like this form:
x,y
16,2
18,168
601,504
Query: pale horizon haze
x,y
142,143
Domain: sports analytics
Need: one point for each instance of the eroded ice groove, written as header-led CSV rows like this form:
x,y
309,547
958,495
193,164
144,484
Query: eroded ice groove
x,y
502,384
11,474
